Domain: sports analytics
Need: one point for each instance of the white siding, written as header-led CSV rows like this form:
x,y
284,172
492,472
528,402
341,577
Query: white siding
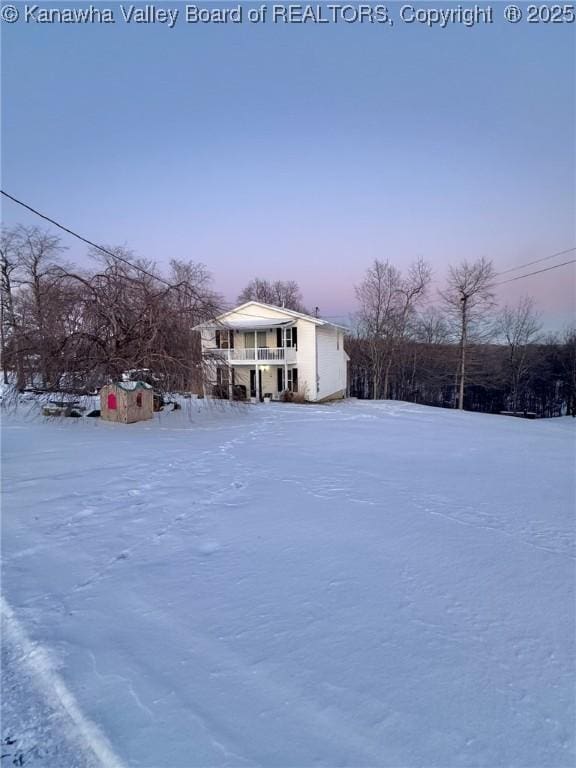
x,y
332,362
269,381
320,357
306,359
257,311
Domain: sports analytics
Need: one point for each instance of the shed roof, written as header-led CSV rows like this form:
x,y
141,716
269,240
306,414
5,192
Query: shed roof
x,y
130,386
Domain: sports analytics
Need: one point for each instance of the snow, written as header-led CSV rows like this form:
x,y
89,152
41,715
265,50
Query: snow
x,y
360,584
38,708
130,386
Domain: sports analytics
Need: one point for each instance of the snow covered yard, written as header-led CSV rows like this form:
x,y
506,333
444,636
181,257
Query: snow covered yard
x,y
361,584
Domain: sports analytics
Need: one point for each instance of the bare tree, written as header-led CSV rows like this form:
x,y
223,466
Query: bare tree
x,y
32,307
10,254
468,299
544,367
136,320
280,293
66,328
431,327
388,301
519,327
193,301
568,368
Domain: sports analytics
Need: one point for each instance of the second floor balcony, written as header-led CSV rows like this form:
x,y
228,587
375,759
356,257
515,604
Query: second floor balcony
x,y
256,354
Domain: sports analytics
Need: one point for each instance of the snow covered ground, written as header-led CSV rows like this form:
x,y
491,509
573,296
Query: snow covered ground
x,y
361,584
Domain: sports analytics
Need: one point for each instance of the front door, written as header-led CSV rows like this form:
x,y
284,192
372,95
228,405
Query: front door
x,y
253,383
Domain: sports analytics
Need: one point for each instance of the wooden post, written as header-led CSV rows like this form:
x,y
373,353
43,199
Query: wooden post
x,y
463,342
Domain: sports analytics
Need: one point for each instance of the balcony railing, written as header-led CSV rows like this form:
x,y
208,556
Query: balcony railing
x,y
260,354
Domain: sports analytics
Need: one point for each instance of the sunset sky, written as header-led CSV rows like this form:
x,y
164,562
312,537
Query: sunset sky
x,y
300,151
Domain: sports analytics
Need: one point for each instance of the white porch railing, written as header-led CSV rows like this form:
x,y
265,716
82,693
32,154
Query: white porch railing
x,y
260,354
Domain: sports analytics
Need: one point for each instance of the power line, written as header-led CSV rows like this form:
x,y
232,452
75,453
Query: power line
x,y
170,285
89,242
537,272
536,261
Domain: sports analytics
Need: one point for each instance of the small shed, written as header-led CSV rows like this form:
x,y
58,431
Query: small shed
x,y
127,401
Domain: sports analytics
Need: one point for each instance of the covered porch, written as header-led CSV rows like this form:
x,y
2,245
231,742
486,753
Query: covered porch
x,y
247,341
256,382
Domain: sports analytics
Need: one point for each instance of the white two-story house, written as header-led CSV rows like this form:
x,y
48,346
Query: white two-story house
x,y
257,350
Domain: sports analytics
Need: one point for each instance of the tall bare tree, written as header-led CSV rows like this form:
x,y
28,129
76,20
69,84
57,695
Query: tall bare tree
x,y
568,368
519,327
10,254
468,299
388,301
31,308
280,293
65,327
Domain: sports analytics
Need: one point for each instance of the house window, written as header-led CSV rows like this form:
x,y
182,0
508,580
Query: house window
x,y
222,376
280,380
286,337
139,399
291,337
224,339
292,379
260,339
112,402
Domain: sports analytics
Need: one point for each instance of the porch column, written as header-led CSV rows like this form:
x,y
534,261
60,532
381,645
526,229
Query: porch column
x,y
257,382
285,359
230,382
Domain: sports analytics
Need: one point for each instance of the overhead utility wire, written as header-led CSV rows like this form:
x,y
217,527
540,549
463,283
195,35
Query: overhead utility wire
x,y
536,261
89,242
537,272
170,285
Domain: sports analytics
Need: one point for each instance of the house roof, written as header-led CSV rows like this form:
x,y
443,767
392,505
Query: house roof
x,y
260,321
257,322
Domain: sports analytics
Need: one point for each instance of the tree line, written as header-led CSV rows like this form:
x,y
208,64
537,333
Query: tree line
x,y
66,328
461,352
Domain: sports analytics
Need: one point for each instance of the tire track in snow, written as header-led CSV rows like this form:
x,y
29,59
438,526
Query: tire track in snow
x,y
52,689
